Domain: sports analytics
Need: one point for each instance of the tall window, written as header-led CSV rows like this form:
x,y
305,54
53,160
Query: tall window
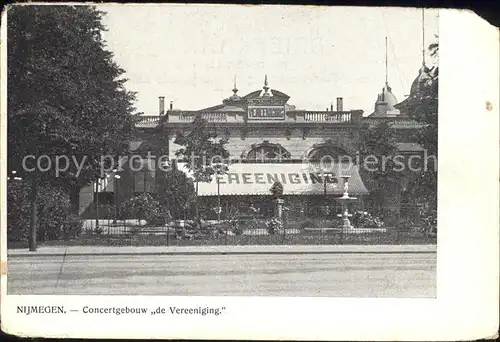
x,y
144,177
144,181
268,153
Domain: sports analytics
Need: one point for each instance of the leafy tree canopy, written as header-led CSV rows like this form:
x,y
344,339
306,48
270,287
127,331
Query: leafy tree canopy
x,y
201,149
66,95
277,189
177,193
423,107
378,142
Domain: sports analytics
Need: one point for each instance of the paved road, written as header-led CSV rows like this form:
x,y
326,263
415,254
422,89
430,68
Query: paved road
x,y
339,275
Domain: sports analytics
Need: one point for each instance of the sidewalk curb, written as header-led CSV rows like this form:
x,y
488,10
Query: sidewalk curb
x,y
214,253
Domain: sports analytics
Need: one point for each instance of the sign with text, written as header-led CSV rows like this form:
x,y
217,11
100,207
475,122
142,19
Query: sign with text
x,y
297,179
271,178
266,112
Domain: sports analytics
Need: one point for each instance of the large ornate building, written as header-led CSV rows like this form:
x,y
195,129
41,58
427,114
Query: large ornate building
x,y
269,140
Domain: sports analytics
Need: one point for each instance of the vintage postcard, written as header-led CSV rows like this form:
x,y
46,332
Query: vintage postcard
x,y
249,172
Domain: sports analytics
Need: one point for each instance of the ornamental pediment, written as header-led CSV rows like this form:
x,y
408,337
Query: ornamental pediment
x,y
272,98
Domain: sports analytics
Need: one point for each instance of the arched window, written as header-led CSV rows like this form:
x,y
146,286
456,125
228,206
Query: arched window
x,y
268,153
327,153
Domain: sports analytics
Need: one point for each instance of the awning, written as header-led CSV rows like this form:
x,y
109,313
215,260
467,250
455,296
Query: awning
x,y
297,179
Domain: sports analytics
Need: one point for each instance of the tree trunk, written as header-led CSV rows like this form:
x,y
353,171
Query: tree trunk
x,y
33,221
74,197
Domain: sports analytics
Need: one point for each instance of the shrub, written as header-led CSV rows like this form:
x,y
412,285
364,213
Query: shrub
x,y
362,219
220,228
424,223
235,226
18,213
320,223
72,228
54,218
144,207
336,223
252,223
199,229
429,219
277,189
237,229
308,223
406,224
274,226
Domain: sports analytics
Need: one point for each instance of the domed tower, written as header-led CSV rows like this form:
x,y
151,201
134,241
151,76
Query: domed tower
x,y
423,77
385,104
386,101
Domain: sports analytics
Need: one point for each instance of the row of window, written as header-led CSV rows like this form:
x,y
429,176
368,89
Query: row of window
x,y
266,153
272,152
142,181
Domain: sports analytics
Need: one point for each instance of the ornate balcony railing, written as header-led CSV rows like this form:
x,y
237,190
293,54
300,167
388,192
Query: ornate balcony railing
x,y
398,123
293,116
209,116
148,121
333,117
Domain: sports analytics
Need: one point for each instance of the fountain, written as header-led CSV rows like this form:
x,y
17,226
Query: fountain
x,y
344,200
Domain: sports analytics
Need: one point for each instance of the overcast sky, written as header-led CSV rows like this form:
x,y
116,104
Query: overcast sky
x,y
191,53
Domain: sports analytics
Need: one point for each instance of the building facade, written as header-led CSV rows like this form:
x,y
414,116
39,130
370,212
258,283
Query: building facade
x,y
269,140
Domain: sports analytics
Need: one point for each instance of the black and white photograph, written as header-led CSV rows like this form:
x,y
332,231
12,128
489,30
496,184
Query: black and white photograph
x,y
169,139
220,151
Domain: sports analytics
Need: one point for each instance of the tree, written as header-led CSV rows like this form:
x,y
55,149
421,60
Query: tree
x,y
423,107
382,176
378,143
66,97
177,193
145,207
201,149
54,218
277,189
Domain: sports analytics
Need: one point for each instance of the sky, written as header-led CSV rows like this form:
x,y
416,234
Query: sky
x,y
190,54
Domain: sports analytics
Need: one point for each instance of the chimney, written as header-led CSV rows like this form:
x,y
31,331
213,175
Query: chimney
x,y
331,107
171,105
340,104
161,105
327,109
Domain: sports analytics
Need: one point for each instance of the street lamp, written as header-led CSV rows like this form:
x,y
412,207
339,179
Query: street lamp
x,y
15,177
145,173
326,175
97,204
218,171
116,177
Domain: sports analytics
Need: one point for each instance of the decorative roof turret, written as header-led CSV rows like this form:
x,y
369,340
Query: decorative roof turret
x,y
384,106
235,90
235,97
266,88
424,72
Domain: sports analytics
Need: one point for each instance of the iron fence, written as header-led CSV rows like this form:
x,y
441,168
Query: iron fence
x,y
186,233
248,230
